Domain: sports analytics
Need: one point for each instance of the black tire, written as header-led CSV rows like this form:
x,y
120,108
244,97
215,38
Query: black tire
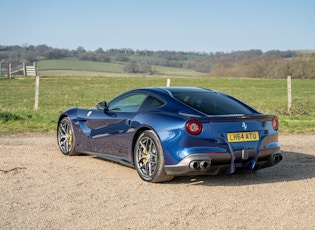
x,y
65,137
149,158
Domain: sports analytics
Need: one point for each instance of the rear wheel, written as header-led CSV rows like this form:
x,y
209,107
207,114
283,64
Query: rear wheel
x,y
149,158
65,137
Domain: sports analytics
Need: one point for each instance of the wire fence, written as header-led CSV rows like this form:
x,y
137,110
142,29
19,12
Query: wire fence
x,y
59,93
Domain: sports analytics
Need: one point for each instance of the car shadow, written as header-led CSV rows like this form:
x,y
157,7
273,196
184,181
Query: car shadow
x,y
294,166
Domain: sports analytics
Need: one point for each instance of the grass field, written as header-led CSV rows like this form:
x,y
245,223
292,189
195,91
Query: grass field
x,y
58,93
72,67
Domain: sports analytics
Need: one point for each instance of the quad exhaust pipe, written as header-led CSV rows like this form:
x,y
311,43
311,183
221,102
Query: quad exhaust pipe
x,y
200,165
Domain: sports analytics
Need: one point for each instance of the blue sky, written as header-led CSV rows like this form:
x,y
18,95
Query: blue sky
x,y
180,25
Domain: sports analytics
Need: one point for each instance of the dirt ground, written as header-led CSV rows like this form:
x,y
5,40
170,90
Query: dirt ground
x,y
43,189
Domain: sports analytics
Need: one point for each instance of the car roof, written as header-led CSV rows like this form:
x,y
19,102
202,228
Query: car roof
x,y
174,89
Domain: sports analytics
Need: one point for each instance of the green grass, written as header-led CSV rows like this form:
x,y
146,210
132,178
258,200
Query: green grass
x,y
59,93
77,65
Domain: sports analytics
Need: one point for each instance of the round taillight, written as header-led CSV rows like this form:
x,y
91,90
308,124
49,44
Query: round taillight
x,y
275,123
193,127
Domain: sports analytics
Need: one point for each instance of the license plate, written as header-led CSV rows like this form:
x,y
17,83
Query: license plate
x,y
243,136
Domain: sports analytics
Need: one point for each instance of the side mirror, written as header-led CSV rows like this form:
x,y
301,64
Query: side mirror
x,y
102,106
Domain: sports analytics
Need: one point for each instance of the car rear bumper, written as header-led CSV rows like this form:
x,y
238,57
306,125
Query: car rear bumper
x,y
208,164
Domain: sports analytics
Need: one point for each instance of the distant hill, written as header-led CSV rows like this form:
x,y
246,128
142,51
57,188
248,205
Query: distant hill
x,y
73,67
249,63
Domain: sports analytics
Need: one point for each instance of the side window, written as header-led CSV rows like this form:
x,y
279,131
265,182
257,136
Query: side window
x,y
130,103
150,103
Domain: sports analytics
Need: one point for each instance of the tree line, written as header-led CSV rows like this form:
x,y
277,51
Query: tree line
x,y
250,63
300,67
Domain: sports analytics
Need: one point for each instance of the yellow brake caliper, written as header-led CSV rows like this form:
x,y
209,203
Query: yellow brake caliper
x,y
70,137
144,159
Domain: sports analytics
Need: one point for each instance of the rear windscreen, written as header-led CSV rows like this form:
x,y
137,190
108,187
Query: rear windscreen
x,y
213,103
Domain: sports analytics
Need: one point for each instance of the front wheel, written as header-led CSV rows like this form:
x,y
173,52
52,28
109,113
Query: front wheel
x,y
65,137
149,158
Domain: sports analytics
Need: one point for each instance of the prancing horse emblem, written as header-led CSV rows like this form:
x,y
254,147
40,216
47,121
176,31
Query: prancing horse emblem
x,y
244,125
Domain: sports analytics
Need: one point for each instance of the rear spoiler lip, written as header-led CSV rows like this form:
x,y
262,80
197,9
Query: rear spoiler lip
x,y
237,117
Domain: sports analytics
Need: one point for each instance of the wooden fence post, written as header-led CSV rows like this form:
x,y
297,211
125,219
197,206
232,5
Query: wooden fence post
x,y
35,68
9,70
289,95
24,69
36,93
168,82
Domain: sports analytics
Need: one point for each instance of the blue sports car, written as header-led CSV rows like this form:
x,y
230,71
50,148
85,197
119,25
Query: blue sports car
x,y
168,131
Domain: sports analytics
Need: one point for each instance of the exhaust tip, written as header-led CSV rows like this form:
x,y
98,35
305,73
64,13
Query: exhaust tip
x,y
276,158
199,165
194,165
204,164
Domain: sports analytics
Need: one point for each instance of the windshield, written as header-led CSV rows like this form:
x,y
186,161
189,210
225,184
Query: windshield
x,y
213,103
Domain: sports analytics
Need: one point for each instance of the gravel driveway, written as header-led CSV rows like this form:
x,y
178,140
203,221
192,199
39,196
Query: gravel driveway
x,y
43,189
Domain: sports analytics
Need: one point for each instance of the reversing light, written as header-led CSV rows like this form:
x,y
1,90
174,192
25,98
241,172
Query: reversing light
x,y
275,123
193,127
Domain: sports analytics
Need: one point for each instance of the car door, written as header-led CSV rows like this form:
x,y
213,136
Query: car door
x,y
112,129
